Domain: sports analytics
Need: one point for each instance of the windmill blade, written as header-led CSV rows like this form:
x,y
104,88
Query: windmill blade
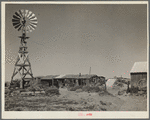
x,y
35,24
17,14
15,17
17,26
24,19
28,28
20,13
31,27
23,13
33,15
20,28
14,24
14,20
29,13
26,12
34,18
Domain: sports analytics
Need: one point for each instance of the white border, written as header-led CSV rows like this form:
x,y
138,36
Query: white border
x,y
79,2
148,57
68,114
2,55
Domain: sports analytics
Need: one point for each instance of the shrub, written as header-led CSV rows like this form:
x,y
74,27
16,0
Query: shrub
x,y
23,90
120,84
7,84
86,88
134,89
121,92
52,91
91,89
34,86
8,91
102,93
15,83
75,88
79,90
99,84
16,92
94,89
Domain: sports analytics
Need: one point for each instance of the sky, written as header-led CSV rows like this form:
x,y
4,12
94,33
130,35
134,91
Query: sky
x,y
69,39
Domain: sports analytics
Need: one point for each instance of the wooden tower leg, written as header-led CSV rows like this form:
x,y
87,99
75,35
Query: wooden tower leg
x,y
22,65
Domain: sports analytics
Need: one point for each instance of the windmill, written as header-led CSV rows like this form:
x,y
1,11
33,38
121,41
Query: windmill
x,y
24,21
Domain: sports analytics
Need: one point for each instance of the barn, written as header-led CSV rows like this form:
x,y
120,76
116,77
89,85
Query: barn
x,y
138,74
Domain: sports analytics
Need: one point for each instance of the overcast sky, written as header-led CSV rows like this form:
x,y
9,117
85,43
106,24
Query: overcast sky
x,y
69,39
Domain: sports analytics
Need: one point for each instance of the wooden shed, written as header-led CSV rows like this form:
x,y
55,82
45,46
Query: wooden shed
x,y
138,73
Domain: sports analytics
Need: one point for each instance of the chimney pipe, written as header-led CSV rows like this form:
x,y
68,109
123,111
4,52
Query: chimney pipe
x,y
79,74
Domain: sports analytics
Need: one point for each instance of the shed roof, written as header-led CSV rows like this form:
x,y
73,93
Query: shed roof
x,y
49,77
139,67
83,76
60,76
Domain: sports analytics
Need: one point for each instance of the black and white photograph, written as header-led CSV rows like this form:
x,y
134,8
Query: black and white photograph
x,y
75,60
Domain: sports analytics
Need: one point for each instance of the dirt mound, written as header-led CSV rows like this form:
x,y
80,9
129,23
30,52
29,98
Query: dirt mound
x,y
86,88
121,92
102,93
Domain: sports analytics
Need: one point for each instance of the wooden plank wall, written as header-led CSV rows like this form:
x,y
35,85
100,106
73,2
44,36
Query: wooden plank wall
x,y
135,77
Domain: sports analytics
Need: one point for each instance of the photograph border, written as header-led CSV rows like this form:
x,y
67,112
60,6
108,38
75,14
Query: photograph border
x,y
67,114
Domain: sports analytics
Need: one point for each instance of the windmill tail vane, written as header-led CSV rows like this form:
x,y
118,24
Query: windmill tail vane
x,y
25,21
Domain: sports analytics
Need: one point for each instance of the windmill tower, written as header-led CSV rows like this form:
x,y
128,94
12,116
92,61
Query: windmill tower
x,y
24,21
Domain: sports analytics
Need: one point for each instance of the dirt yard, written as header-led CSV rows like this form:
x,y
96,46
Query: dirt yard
x,y
76,101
